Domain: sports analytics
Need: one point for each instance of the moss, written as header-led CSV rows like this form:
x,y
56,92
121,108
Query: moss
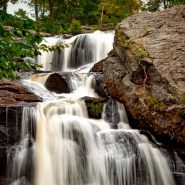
x,y
182,98
153,103
95,109
128,43
146,28
176,116
183,112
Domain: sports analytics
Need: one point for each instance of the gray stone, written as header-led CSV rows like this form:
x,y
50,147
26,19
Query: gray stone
x,y
146,70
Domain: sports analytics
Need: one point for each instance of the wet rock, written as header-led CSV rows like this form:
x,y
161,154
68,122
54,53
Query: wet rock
x,y
146,71
87,29
13,97
98,67
3,180
100,87
94,106
14,93
40,77
67,36
108,26
9,132
57,83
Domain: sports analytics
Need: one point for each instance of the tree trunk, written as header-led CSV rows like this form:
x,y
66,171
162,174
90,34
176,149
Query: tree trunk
x,y
42,8
4,5
36,10
101,18
51,10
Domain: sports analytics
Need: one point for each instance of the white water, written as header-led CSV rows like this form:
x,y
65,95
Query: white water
x,y
71,149
66,147
81,86
83,49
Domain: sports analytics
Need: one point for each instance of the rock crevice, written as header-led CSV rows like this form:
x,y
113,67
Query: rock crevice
x,y
146,70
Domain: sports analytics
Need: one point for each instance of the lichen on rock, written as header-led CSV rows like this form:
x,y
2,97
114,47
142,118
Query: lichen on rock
x,y
146,70
128,43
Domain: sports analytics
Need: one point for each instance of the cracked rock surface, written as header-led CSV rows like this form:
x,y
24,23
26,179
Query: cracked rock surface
x,y
146,71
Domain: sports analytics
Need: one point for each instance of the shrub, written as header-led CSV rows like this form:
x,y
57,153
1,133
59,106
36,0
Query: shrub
x,y
75,27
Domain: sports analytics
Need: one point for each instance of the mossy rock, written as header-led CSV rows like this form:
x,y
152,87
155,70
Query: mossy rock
x,y
128,43
95,106
95,109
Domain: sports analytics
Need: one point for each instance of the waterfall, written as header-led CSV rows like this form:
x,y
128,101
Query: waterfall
x,y
71,149
82,49
20,167
61,145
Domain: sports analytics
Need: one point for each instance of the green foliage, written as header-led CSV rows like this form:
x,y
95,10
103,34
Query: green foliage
x,y
183,112
14,46
154,5
55,28
154,103
4,3
114,11
16,43
56,17
95,109
88,12
13,21
128,43
21,13
75,27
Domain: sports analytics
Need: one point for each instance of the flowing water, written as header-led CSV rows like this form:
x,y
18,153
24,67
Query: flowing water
x,y
61,145
82,49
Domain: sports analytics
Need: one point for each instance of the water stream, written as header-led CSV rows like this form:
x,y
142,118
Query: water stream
x,y
82,50
61,145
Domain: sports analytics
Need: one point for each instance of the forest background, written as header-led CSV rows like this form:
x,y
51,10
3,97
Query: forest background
x,y
20,36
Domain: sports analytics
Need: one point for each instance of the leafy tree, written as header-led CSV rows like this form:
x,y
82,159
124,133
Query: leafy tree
x,y
4,3
89,12
178,2
40,7
57,15
18,42
14,46
51,4
13,21
75,27
115,10
154,5
36,9
21,13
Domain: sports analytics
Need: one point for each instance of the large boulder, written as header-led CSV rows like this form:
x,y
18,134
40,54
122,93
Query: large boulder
x,y
146,70
57,83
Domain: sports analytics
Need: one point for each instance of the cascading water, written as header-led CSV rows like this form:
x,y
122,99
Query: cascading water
x,y
82,49
72,149
61,145
20,166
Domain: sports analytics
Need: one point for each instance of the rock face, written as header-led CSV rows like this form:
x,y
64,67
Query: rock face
x,y
13,97
10,125
146,70
14,93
